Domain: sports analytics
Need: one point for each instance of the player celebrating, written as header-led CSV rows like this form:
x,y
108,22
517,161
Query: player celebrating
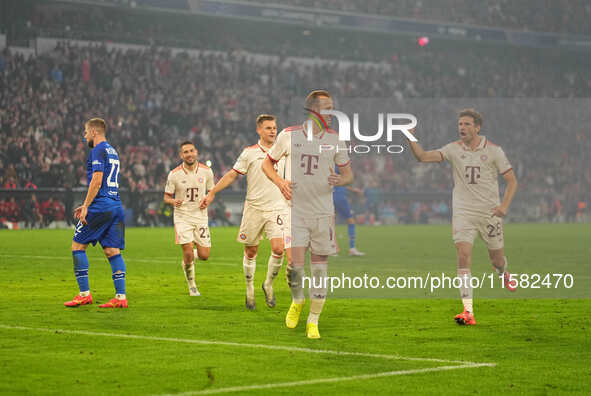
x,y
101,217
265,209
476,206
310,176
185,188
343,209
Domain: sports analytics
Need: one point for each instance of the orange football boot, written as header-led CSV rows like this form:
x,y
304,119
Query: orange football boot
x,y
79,300
114,303
465,318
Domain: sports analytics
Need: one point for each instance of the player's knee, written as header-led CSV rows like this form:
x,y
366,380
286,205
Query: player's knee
x,y
203,255
277,251
77,246
250,252
110,252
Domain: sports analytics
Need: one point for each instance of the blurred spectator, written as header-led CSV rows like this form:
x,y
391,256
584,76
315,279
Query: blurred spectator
x,y
32,213
52,210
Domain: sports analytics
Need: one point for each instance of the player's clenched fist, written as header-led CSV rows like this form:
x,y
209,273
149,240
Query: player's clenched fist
x,y
207,200
499,211
334,178
178,203
285,188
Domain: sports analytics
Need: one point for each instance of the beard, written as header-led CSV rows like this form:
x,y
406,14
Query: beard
x,y
90,143
189,161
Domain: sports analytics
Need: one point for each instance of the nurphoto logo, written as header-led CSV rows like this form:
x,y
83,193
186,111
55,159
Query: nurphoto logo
x,y
390,122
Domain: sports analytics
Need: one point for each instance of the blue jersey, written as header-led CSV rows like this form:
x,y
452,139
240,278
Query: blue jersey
x,y
104,158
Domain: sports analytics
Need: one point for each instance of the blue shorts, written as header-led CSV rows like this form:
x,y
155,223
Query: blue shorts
x,y
106,224
342,207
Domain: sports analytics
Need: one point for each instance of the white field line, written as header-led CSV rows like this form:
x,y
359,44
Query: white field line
x,y
460,364
240,345
327,380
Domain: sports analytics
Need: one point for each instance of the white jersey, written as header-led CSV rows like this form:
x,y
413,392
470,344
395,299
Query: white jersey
x,y
308,165
261,193
191,187
476,187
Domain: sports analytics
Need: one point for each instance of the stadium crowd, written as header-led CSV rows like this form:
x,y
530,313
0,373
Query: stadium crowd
x,y
152,99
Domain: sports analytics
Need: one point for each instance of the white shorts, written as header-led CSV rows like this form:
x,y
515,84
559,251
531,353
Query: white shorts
x,y
316,233
192,232
467,227
255,222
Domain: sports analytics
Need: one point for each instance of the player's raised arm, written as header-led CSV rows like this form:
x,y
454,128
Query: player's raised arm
x,y
422,155
224,182
93,189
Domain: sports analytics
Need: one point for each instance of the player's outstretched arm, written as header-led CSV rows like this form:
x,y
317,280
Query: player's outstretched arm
x,y
501,211
283,185
169,199
424,156
93,189
224,182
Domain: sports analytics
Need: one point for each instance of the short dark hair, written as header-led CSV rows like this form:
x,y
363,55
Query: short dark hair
x,y
185,143
312,98
264,117
471,113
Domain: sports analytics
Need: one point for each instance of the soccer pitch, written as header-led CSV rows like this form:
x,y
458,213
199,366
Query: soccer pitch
x,y
170,343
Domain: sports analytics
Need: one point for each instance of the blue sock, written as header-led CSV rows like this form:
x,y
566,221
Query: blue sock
x,y
81,269
351,232
118,270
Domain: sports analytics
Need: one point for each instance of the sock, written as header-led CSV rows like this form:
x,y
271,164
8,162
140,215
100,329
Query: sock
x,y
318,290
81,271
118,270
273,267
249,266
351,232
295,275
465,289
501,271
189,270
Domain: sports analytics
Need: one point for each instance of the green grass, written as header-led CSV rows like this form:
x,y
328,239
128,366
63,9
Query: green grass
x,y
540,344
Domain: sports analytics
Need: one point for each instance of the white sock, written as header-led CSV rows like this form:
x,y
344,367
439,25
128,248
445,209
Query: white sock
x,y
273,267
85,293
318,290
190,273
465,274
249,266
120,296
295,275
501,271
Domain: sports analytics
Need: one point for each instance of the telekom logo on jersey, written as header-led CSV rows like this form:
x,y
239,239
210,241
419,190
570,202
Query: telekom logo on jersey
x,y
345,131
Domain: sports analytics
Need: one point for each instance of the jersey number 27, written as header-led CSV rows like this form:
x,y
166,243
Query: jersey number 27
x,y
113,179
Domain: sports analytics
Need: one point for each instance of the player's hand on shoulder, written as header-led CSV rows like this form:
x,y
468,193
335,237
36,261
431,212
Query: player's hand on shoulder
x,y
334,178
499,211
